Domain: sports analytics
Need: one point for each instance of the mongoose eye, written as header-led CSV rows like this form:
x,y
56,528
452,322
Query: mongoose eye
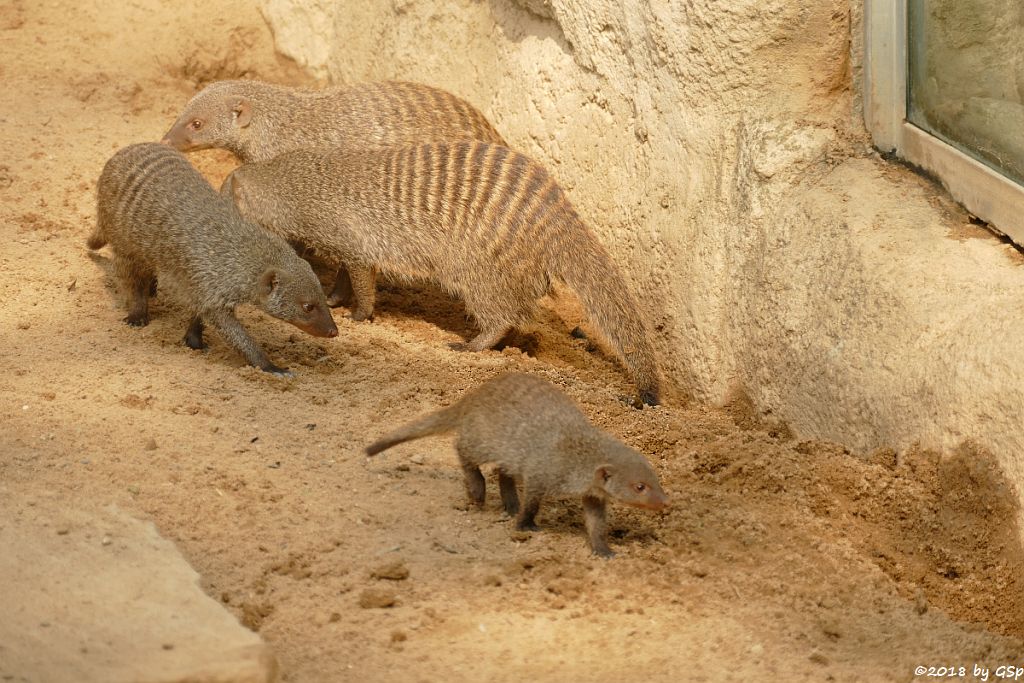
x,y
308,308
196,124
640,488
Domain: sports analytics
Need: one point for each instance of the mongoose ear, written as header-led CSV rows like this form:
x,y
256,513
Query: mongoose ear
x,y
268,282
242,111
603,473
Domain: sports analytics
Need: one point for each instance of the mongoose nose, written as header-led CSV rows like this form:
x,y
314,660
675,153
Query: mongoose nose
x,y
333,333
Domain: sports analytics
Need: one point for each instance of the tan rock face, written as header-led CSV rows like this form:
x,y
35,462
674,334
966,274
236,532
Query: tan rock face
x,y
95,595
717,149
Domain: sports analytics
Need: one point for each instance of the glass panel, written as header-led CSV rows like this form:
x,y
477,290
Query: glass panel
x,y
966,77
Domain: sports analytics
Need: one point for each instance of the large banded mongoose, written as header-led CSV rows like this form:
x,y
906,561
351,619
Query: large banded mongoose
x,y
257,121
163,219
538,438
485,222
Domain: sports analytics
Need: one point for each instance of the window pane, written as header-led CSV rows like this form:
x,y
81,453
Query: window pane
x,y
966,77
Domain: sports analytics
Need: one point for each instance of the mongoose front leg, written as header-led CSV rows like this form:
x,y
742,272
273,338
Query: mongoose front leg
x,y
225,322
509,495
194,334
483,341
341,294
364,290
525,521
597,526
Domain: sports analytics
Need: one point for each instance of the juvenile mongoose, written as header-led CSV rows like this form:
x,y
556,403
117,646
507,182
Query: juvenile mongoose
x,y
486,223
163,219
538,438
257,121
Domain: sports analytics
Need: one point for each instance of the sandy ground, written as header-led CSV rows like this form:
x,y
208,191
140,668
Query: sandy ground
x,y
780,559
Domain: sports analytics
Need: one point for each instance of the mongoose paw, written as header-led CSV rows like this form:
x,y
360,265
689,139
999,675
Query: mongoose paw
x,y
335,300
604,552
278,372
527,526
362,317
137,320
195,343
578,333
459,346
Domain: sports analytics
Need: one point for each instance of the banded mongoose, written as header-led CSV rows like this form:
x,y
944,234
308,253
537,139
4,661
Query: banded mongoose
x,y
538,438
257,121
485,222
163,219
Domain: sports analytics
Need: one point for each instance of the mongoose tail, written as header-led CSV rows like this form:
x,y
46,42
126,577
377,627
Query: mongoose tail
x,y
589,271
439,422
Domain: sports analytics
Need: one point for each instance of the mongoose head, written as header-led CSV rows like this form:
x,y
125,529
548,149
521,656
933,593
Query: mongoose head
x,y
294,295
217,116
631,480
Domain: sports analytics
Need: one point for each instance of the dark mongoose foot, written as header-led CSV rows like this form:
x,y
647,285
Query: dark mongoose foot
x,y
194,335
279,372
335,300
138,320
152,288
362,317
603,552
195,342
527,526
578,333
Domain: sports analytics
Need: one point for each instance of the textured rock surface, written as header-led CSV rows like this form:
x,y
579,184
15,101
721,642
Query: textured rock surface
x,y
717,148
95,595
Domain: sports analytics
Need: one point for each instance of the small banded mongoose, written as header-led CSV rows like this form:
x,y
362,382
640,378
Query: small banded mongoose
x,y
539,439
485,222
163,219
257,121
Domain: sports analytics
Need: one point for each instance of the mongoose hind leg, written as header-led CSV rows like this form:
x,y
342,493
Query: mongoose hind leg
x,y
476,487
364,291
597,526
194,334
341,293
475,484
525,521
139,281
234,334
483,341
509,495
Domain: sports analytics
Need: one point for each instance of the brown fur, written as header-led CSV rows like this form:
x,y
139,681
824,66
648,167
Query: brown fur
x,y
163,219
257,121
485,222
539,439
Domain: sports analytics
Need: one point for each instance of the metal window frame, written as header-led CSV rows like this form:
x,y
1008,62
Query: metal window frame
x,y
983,191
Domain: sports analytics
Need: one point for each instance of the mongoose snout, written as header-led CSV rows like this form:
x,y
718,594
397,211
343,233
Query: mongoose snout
x,y
541,441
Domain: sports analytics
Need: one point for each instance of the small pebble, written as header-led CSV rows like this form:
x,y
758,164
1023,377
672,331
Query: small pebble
x,y
150,444
416,459
377,598
392,571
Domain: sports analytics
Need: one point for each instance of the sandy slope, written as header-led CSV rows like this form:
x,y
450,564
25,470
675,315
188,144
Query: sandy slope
x,y
779,559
